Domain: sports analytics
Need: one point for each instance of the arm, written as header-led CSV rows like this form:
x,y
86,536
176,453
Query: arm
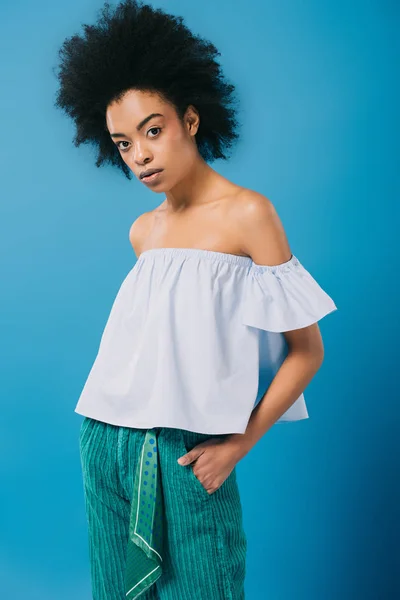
x,y
138,231
264,239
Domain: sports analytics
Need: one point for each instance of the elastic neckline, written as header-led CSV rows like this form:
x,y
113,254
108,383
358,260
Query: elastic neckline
x,y
214,255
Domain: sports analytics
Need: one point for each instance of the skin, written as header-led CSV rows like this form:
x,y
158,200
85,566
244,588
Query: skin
x,y
203,209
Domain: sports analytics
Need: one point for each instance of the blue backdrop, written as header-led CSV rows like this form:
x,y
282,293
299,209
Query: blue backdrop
x,y
317,85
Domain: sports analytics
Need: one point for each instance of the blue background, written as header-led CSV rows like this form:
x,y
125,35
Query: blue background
x,y
319,108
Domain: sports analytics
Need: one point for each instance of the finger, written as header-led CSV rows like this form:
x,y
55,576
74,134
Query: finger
x,y
191,456
185,459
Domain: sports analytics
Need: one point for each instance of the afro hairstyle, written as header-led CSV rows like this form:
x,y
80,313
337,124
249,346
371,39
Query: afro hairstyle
x,y
136,46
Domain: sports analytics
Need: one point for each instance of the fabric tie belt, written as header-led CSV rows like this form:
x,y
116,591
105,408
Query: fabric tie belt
x,y
146,523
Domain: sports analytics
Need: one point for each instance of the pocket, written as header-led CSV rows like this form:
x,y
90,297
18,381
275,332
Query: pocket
x,y
191,439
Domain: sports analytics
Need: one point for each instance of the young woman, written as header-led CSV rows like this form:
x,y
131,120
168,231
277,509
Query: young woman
x,y
216,297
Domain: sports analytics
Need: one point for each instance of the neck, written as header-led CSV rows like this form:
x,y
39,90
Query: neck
x,y
194,189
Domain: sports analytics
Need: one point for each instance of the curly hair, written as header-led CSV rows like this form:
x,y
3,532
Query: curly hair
x,y
139,47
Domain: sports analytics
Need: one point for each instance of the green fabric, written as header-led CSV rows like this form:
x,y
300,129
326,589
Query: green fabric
x,y
176,541
144,552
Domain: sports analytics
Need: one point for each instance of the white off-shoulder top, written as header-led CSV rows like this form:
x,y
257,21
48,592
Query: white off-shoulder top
x,y
194,339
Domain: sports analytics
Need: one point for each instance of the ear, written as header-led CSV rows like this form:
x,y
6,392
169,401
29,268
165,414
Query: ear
x,y
192,119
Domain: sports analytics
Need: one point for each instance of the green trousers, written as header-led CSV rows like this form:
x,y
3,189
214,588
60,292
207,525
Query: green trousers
x,y
154,531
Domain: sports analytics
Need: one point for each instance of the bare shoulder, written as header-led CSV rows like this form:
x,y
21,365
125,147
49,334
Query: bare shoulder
x,y
139,230
262,235
252,205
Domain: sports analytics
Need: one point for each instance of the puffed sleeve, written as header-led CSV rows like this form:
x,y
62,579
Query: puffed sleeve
x,y
283,297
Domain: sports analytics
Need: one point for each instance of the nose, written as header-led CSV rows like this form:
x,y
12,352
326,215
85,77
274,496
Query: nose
x,y
141,155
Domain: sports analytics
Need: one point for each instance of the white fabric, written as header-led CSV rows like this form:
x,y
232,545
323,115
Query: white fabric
x,y
194,338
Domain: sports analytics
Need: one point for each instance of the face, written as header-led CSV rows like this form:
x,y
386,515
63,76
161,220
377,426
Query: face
x,y
149,135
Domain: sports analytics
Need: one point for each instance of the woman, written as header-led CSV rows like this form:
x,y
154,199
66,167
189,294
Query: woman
x,y
215,298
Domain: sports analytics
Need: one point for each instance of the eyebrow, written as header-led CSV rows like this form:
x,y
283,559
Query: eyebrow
x,y
139,126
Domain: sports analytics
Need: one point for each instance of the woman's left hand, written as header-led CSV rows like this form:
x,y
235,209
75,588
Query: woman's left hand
x,y
214,461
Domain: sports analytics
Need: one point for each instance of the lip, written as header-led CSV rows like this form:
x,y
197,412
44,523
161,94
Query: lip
x,y
150,178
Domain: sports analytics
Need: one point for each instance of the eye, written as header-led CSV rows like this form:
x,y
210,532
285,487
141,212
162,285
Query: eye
x,y
153,128
122,142
126,148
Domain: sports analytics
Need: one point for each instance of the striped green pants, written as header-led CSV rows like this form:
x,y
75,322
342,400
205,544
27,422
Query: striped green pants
x,y
153,529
